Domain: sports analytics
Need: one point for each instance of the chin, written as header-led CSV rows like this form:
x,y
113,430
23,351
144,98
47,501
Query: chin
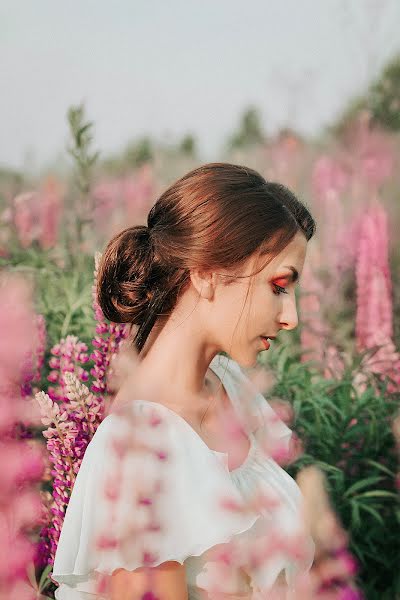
x,y
247,362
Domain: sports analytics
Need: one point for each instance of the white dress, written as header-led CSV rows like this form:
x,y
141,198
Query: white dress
x,y
193,522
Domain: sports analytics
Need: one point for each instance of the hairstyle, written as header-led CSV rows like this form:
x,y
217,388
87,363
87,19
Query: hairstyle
x,y
216,216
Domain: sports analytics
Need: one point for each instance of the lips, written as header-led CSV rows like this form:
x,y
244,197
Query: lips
x,y
265,342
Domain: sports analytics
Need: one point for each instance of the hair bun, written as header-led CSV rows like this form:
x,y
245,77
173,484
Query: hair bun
x,y
124,274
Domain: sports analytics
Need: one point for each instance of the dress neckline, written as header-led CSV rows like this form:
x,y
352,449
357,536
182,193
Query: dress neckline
x,y
251,437
230,392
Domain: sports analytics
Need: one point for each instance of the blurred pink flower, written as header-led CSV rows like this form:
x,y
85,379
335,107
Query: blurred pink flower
x,y
138,192
328,178
374,316
26,218
37,215
22,464
51,204
314,328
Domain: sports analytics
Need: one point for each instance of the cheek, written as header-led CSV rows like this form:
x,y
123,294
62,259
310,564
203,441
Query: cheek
x,y
233,310
259,307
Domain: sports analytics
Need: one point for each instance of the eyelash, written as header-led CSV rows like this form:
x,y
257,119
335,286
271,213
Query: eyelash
x,y
280,290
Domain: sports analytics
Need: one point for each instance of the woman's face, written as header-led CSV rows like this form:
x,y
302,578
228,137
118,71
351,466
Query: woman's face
x,y
270,306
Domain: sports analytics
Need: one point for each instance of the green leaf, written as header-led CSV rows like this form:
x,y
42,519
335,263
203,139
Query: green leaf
x,y
355,514
378,494
44,578
373,512
359,485
383,468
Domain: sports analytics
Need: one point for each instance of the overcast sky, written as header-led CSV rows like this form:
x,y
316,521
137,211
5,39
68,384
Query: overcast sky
x,y
168,67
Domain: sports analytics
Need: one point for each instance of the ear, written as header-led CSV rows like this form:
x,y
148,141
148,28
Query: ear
x,y
204,282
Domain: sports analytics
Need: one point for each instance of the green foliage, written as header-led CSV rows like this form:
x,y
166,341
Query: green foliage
x,y
81,133
249,132
381,100
84,161
187,145
41,583
384,96
347,434
62,296
138,153
348,116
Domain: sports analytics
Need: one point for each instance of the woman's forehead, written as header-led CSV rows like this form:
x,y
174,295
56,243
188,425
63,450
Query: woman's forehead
x,y
291,258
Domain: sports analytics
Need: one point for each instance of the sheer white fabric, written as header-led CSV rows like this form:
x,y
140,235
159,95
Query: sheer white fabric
x,y
187,486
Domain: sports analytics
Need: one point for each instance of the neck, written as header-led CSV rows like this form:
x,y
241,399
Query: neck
x,y
186,371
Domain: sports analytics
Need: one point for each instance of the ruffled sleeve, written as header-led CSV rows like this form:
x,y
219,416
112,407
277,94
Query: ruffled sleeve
x,y
149,490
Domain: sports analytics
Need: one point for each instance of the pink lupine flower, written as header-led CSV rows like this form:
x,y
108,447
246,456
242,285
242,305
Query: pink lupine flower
x,y
71,426
375,157
106,196
315,329
22,464
33,363
37,214
41,349
138,192
329,178
374,317
284,159
329,181
50,213
26,219
68,356
86,405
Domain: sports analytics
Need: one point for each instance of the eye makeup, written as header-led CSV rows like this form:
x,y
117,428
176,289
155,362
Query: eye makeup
x,y
280,281
295,274
286,278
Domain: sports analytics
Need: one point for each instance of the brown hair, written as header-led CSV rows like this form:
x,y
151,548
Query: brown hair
x,y
216,216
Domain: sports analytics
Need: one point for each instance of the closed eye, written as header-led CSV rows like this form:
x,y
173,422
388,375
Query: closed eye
x,y
279,289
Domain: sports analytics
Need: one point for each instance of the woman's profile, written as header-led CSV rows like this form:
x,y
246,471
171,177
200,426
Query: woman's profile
x,y
204,285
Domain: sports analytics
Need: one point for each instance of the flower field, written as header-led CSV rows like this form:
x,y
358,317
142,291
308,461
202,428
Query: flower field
x,y
335,379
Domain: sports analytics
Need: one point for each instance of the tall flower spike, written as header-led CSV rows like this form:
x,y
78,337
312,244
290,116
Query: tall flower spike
x,y
68,357
75,422
314,330
22,465
374,317
60,435
86,406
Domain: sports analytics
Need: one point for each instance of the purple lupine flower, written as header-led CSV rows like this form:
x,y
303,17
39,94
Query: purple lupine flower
x,y
41,349
71,427
75,421
68,356
33,360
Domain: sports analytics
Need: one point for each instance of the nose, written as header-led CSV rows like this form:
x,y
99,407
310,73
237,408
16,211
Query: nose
x,y
288,317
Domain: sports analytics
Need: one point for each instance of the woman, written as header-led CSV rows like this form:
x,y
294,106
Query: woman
x,y
215,271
